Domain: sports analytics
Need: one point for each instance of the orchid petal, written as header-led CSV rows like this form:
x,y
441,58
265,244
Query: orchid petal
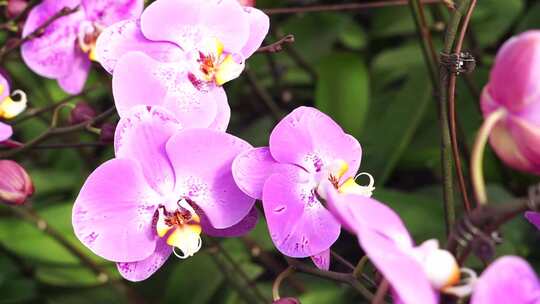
x,y
202,160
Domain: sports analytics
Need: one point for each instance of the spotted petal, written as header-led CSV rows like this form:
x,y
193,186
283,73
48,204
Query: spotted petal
x,y
73,82
126,36
142,270
243,227
106,12
309,138
112,215
140,80
188,22
202,160
141,136
252,168
53,53
299,224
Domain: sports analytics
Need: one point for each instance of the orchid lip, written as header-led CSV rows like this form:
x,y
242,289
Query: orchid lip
x,y
181,228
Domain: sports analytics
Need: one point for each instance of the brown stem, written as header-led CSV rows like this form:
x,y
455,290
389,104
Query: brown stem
x,y
452,108
276,46
346,278
340,7
56,131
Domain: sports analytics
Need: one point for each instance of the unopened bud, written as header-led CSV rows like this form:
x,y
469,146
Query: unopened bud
x,y
15,184
15,7
107,132
82,112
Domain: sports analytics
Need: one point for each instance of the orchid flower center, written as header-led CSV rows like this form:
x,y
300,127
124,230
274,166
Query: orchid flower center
x,y
181,228
214,66
335,172
87,37
10,108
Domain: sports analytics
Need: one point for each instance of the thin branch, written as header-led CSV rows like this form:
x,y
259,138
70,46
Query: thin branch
x,y
446,138
276,46
346,278
264,95
340,7
452,107
56,131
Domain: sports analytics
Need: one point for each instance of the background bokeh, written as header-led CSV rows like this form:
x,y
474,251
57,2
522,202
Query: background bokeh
x,y
365,68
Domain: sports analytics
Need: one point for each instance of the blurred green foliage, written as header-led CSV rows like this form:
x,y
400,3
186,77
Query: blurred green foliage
x,y
364,68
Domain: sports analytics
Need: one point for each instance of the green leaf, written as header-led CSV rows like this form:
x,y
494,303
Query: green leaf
x,y
393,121
198,277
531,19
18,291
353,36
492,19
343,90
27,240
423,214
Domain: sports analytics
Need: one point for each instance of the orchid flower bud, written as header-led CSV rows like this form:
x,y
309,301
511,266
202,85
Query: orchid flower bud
x,y
15,184
107,132
512,100
15,7
81,113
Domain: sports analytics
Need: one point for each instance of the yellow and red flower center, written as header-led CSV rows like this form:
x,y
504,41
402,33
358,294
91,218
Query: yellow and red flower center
x,y
214,66
87,38
181,228
334,174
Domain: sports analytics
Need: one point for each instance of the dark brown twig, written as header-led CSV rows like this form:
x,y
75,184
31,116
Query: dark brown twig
x,y
340,7
276,46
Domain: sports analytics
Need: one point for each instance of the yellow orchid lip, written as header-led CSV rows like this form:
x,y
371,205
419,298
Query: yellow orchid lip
x,y
181,229
215,65
10,108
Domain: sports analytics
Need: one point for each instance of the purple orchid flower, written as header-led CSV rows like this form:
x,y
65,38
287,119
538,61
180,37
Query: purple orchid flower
x,y
306,148
179,54
416,273
509,279
66,47
165,186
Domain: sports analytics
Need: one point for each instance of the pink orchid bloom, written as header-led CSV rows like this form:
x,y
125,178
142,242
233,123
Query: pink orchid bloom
x,y
306,148
166,186
179,54
66,48
514,91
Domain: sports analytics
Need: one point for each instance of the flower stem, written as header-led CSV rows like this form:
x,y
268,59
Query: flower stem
x,y
347,278
381,292
446,140
477,156
277,283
